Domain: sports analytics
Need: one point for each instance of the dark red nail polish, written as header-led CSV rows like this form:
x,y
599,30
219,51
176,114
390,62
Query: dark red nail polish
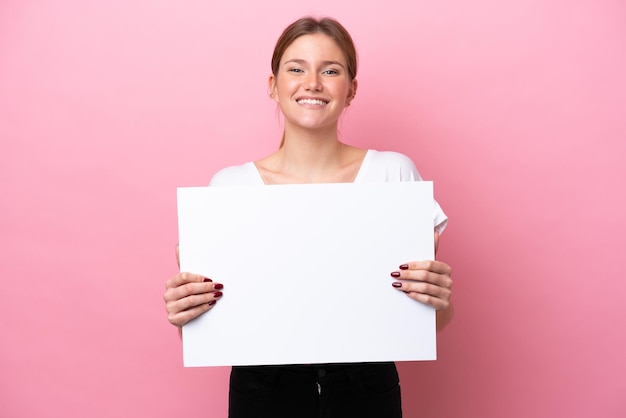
x,y
404,267
212,302
218,286
396,284
217,294
206,280
395,274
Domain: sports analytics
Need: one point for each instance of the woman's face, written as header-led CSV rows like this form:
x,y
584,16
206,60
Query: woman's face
x,y
312,86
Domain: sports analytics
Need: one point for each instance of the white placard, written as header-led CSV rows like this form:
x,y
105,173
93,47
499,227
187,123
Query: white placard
x,y
306,272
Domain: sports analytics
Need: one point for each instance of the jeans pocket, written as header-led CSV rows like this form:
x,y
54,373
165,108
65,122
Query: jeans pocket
x,y
375,378
249,380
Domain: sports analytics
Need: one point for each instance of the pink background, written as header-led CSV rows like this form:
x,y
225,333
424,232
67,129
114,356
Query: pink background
x,y
516,110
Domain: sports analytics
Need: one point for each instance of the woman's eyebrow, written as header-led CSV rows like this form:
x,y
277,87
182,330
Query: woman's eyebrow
x,y
324,63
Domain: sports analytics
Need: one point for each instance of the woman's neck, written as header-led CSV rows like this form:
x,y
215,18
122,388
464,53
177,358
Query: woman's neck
x,y
309,156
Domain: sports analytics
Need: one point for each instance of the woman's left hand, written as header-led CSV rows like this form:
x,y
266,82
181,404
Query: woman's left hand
x,y
428,282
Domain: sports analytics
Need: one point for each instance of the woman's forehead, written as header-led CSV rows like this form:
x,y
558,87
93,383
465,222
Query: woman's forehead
x,y
314,47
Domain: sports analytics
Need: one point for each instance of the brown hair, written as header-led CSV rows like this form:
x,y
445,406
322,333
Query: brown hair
x,y
310,25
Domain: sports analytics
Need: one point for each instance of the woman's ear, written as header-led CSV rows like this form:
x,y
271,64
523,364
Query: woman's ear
x,y
271,85
352,92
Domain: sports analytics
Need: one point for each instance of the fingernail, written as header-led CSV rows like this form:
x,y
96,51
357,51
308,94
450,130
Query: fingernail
x,y
396,284
212,302
206,280
395,274
217,294
404,267
218,286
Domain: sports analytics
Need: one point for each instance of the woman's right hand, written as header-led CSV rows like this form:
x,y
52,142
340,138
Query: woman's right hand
x,y
189,295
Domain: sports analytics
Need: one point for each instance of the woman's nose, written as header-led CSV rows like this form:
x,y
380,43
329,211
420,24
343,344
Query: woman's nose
x,y
313,82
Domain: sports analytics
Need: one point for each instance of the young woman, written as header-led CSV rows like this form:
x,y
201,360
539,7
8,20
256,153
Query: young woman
x,y
313,80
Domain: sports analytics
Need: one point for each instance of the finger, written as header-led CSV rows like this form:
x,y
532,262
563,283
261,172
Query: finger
x,y
183,310
430,265
182,278
423,288
188,302
441,280
181,318
177,256
437,303
189,289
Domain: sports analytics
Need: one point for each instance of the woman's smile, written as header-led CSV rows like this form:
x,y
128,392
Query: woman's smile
x,y
312,102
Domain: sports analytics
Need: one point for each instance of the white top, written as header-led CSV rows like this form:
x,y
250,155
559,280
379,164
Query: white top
x,y
377,166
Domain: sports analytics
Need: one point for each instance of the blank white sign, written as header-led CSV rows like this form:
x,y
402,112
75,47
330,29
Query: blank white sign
x,y
306,272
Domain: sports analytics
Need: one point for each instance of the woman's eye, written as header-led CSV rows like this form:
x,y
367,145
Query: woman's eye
x,y
295,70
330,72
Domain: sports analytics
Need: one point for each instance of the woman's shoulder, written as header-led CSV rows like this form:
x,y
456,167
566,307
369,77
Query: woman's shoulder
x,y
236,175
390,158
389,166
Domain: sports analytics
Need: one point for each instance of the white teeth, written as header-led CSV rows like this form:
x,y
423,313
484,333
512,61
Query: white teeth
x,y
316,102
